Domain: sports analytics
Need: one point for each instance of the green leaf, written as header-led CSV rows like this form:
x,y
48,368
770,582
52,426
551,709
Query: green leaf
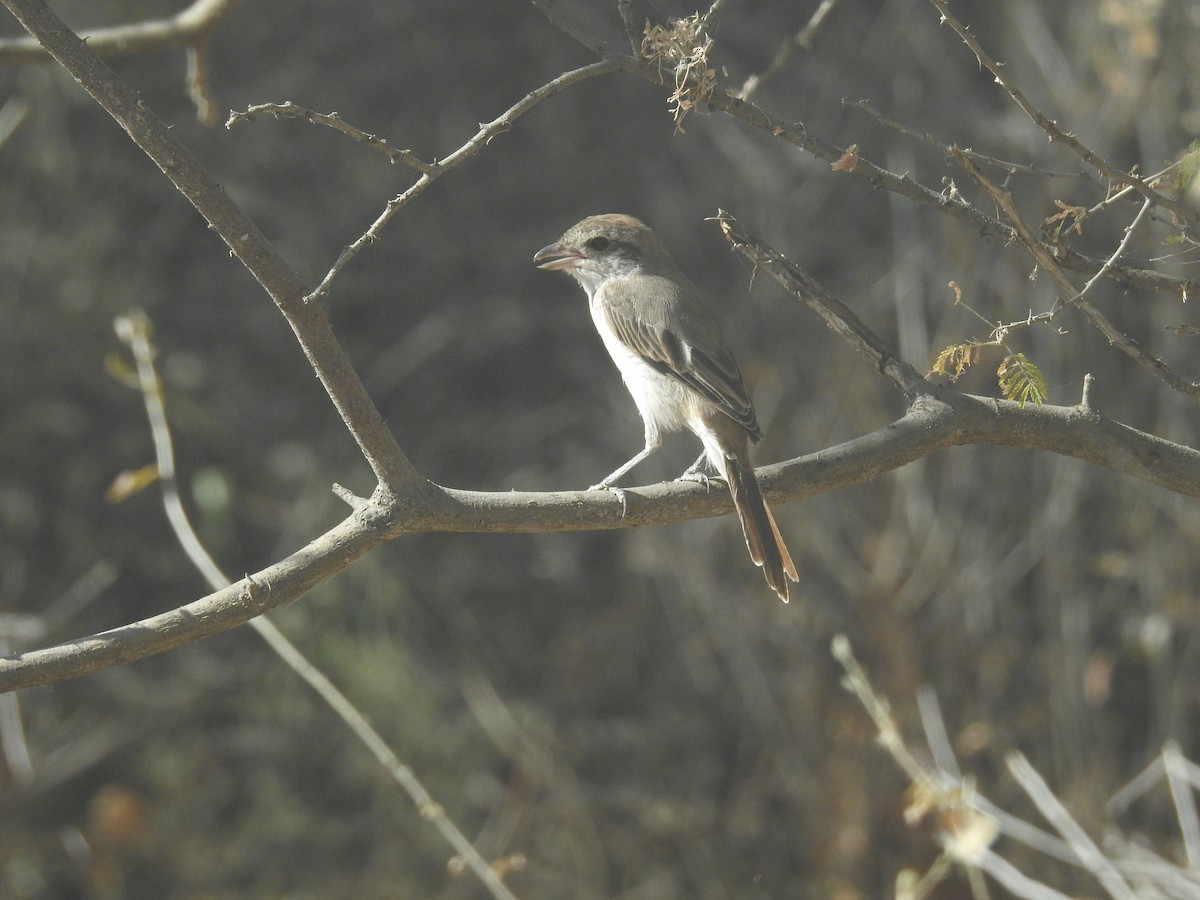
x,y
1021,380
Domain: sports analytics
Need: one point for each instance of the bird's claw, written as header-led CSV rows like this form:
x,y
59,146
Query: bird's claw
x,y
698,477
619,492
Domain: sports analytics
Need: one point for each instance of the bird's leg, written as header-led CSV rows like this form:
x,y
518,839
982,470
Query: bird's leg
x,y
695,472
607,483
696,467
653,440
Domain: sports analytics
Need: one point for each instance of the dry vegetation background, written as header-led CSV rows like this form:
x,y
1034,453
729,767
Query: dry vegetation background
x,y
631,712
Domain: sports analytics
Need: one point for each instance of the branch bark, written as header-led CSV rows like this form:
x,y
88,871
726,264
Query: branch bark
x,y
190,27
247,242
932,423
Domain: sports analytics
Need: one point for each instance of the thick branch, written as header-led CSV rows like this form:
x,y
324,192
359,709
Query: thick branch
x,y
248,244
931,424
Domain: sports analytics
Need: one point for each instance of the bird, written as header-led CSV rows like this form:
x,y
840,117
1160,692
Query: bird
x,y
667,343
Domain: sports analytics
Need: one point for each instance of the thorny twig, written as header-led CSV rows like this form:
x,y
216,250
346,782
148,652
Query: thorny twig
x,y
430,172
1055,133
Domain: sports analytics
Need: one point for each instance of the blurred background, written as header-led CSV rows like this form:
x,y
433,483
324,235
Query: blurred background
x,y
633,713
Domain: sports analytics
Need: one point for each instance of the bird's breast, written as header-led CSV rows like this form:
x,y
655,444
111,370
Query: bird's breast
x,y
665,403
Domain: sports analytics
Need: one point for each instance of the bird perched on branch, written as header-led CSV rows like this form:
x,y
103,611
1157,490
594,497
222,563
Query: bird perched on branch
x,y
668,346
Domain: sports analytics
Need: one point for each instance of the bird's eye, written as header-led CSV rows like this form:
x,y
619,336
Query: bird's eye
x,y
599,244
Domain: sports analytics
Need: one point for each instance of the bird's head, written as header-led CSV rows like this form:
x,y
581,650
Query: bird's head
x,y
603,247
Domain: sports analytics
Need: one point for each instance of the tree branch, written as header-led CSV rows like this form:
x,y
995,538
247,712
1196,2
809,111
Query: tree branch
x,y
403,503
289,110
932,423
134,330
190,28
1054,132
1069,294
839,317
430,172
801,39
949,202
187,28
248,244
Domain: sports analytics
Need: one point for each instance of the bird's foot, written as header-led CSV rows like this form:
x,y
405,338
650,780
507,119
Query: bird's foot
x,y
619,492
699,477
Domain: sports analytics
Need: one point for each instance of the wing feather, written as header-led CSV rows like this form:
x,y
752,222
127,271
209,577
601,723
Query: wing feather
x,y
682,340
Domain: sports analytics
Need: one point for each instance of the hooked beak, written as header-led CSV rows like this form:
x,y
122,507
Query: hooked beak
x,y
555,257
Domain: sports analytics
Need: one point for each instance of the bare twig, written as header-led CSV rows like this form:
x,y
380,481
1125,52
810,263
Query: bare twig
x,y
404,503
1183,779
1182,785
198,89
802,40
436,169
982,159
289,110
857,683
1112,260
244,238
1043,256
1128,189
1021,231
187,28
968,823
190,28
839,317
948,202
1051,128
1056,814
930,425
633,30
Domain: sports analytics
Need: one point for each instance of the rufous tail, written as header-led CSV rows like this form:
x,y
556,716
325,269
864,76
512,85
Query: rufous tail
x,y
763,539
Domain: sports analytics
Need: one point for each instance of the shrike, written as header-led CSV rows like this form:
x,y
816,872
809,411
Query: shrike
x,y
669,349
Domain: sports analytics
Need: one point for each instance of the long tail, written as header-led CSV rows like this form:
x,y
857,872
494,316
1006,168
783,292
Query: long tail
x,y
763,539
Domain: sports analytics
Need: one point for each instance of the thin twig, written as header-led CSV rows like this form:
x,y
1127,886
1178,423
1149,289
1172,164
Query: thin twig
x,y
378,445
931,424
1182,787
1051,128
857,683
435,170
1128,189
930,140
948,202
839,317
1043,256
190,28
134,330
802,40
1112,260
1056,814
184,29
289,110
